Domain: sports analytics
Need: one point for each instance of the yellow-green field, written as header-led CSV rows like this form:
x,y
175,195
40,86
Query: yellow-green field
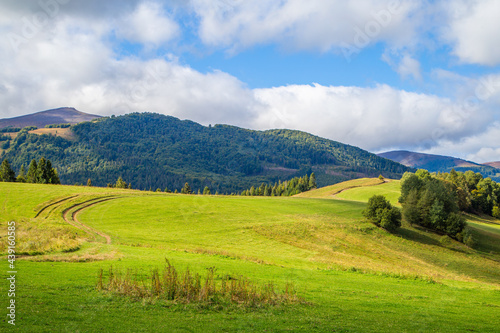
x,y
354,277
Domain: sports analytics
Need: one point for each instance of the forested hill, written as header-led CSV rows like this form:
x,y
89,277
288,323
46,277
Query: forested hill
x,y
156,151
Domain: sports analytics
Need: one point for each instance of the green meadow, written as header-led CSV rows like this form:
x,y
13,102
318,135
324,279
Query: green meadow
x,y
352,276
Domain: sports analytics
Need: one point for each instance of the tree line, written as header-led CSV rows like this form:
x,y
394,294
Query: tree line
x,y
436,201
40,172
287,188
431,202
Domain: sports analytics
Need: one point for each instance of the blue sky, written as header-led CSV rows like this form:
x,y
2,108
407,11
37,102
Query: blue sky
x,y
378,74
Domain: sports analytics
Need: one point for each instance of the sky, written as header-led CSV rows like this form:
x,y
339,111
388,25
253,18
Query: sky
x,y
378,74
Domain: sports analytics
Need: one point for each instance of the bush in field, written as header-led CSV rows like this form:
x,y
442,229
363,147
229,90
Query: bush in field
x,y
382,213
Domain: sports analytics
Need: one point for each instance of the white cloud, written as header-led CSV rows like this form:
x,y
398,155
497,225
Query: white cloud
x,y
372,118
305,24
148,24
409,67
404,64
480,147
473,30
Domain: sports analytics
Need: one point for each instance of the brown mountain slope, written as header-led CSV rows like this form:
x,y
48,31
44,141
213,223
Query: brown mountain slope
x,y
48,117
493,164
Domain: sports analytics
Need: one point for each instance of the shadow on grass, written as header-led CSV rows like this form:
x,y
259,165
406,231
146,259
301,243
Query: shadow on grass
x,y
415,236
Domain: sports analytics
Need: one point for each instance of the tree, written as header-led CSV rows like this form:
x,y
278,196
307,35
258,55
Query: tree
x,y
433,201
186,189
31,177
381,213
21,178
52,176
496,212
455,224
206,191
438,216
411,212
312,181
6,172
390,219
120,183
381,178
42,172
89,182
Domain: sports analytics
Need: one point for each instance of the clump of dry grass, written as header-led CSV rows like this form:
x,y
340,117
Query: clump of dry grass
x,y
35,237
191,288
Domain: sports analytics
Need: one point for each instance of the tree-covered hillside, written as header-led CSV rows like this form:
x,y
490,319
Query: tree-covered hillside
x,y
156,151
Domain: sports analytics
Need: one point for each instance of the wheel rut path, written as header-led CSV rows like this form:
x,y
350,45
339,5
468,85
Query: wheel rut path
x,y
73,217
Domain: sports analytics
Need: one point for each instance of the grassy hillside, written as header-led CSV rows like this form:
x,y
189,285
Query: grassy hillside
x,y
356,277
157,151
390,189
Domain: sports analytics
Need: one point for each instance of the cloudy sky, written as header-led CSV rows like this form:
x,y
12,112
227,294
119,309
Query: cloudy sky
x,y
378,74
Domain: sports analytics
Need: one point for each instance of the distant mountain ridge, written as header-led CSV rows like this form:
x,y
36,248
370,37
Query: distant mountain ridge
x,y
154,151
493,164
40,119
439,163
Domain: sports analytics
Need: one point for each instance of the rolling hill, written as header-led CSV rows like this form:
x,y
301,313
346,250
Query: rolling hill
x,y
439,163
49,117
157,151
354,276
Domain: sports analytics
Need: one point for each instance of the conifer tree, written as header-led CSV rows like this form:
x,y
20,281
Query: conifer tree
x,y
41,171
6,172
206,191
120,183
31,177
21,178
312,181
186,189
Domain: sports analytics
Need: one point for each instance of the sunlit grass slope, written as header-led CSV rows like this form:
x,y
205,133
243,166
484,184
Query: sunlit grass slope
x,y
356,277
391,190
292,232
329,191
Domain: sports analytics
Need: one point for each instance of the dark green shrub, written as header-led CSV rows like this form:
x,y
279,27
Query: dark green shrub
x,y
381,213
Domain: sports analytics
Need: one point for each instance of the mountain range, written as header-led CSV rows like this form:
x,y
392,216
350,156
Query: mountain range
x,y
439,163
157,151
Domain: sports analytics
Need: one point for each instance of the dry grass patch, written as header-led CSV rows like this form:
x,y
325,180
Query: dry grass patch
x,y
34,237
191,288
64,133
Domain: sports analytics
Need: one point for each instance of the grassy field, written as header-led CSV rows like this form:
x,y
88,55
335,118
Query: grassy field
x,y
354,276
391,190
328,192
